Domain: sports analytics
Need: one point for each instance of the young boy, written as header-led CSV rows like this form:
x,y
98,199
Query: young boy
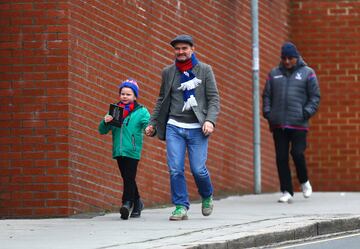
x,y
127,145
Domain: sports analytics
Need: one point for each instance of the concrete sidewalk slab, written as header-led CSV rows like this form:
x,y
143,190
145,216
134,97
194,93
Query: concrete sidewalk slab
x,y
237,221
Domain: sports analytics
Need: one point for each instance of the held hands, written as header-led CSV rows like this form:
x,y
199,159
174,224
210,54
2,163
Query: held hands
x,y
108,118
150,130
207,128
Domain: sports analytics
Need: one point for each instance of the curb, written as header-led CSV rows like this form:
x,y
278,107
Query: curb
x,y
316,229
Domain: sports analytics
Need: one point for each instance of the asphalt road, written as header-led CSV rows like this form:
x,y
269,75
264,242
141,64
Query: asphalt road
x,y
349,241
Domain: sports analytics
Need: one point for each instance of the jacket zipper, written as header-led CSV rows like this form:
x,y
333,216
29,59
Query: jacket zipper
x,y
121,135
132,136
286,99
133,142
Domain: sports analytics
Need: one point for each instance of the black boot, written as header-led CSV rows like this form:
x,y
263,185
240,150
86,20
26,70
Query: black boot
x,y
126,209
138,207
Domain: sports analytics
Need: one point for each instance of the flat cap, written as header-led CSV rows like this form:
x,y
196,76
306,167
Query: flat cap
x,y
182,38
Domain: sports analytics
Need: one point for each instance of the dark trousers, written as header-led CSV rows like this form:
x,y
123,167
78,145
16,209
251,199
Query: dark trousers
x,y
283,139
128,167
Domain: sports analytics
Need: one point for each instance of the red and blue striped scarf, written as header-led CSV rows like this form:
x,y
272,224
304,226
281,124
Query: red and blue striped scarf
x,y
128,108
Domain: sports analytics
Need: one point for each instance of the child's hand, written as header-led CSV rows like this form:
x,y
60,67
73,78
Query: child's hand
x,y
108,118
149,131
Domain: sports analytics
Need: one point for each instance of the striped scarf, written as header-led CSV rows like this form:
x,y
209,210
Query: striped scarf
x,y
188,81
127,108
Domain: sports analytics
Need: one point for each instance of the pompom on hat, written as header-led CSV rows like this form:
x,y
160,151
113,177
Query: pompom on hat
x,y
132,84
288,49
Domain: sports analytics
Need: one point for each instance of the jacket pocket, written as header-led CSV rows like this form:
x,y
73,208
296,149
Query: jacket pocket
x,y
133,142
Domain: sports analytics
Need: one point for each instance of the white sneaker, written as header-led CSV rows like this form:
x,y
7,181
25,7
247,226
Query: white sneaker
x,y
306,189
286,198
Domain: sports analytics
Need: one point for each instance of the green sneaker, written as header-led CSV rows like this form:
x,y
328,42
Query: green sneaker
x,y
207,206
180,213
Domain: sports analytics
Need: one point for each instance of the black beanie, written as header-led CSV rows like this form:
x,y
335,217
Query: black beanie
x,y
289,50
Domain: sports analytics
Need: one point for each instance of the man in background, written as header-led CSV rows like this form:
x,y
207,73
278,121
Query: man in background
x,y
291,97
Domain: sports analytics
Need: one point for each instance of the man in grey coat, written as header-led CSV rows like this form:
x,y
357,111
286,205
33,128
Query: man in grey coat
x,y
291,97
185,115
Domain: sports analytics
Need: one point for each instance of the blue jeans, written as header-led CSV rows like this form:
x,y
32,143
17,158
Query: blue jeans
x,y
196,143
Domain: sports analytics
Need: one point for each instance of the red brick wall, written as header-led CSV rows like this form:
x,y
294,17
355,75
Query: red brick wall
x,y
65,62
62,61
34,109
274,30
327,34
109,42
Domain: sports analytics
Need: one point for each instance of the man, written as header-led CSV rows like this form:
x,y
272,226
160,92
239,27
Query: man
x,y
185,115
291,97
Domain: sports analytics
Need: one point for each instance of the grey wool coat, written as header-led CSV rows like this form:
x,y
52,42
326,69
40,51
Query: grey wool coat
x,y
206,94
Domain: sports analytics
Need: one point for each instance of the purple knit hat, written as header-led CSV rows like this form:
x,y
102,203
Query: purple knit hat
x,y
130,83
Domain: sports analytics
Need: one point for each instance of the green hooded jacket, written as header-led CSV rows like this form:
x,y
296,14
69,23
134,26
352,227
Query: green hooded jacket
x,y
128,140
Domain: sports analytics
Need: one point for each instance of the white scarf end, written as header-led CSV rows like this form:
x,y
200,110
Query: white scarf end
x,y
190,84
189,103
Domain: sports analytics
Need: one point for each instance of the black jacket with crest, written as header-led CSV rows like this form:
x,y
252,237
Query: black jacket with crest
x,y
291,97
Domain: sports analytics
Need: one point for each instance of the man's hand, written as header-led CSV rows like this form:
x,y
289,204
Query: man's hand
x,y
207,128
108,118
149,131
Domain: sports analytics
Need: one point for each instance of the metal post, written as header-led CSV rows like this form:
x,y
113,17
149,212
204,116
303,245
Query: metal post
x,y
256,102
